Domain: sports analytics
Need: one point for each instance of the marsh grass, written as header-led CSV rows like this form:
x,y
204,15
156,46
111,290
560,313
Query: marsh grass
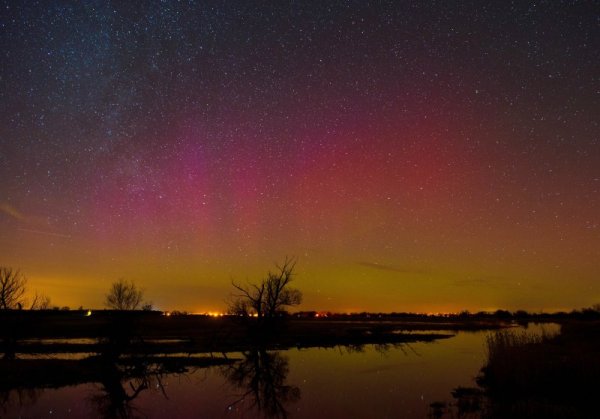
x,y
543,375
516,359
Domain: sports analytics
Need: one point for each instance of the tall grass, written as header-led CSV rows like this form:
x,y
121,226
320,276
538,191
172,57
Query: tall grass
x,y
541,375
506,348
510,360
500,345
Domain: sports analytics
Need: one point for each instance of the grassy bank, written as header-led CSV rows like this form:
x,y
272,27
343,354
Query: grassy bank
x,y
549,376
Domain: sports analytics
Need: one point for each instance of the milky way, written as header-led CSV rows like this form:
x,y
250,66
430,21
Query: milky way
x,y
427,156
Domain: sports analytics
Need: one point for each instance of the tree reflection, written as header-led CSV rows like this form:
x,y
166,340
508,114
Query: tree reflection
x,y
123,381
262,376
468,403
18,397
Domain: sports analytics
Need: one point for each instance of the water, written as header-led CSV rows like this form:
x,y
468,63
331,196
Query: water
x,y
367,382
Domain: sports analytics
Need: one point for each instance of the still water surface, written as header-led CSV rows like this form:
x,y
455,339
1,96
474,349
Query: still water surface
x,y
367,382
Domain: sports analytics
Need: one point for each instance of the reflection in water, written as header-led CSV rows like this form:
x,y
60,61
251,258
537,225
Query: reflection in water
x,y
18,397
523,355
380,348
261,375
124,366
114,399
346,381
468,403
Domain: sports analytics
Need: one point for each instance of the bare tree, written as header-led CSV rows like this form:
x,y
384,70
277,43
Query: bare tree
x,y
124,295
40,302
148,306
12,288
278,292
268,298
239,306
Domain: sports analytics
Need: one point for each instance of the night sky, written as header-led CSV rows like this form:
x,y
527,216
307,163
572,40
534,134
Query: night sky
x,y
414,156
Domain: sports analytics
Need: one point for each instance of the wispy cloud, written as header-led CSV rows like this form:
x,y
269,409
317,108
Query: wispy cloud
x,y
392,268
491,281
27,223
45,233
12,212
475,282
18,215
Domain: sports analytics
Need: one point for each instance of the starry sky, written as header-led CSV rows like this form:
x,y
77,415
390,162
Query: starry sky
x,y
414,156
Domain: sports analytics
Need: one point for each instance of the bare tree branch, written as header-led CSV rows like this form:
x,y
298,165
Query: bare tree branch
x,y
12,288
40,302
124,295
268,298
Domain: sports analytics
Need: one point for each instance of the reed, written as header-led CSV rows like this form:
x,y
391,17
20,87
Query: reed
x,y
542,375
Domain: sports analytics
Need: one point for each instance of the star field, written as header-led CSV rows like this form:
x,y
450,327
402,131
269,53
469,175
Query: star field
x,y
427,157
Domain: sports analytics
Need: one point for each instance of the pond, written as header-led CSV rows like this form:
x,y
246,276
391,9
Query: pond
x,y
372,381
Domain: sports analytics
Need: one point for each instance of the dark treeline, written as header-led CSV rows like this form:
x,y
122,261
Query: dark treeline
x,y
586,313
66,312
267,300
122,332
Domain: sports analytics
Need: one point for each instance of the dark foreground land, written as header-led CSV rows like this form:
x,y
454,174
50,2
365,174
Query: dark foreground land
x,y
55,332
544,377
54,349
525,376
534,376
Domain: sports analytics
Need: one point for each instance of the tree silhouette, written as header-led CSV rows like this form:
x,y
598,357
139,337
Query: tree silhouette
x,y
12,288
124,295
268,298
115,399
40,302
262,375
